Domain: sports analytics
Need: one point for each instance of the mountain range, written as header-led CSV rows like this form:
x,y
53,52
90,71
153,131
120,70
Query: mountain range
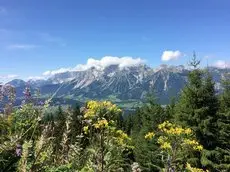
x,y
126,86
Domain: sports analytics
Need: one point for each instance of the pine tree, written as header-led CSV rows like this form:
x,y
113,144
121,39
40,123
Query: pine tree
x,y
197,108
128,124
120,121
223,149
170,109
76,124
59,129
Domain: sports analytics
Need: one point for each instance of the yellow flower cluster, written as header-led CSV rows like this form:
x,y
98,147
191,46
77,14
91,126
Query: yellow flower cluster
x,y
92,105
149,135
101,124
188,131
191,169
165,124
86,129
199,148
121,137
89,114
172,129
164,143
96,106
194,144
107,103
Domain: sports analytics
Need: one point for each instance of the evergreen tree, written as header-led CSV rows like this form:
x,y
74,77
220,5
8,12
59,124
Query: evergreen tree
x,y
197,108
146,119
223,149
170,109
76,124
128,124
120,121
59,129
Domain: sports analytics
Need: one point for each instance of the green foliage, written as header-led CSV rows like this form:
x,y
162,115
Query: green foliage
x,y
198,108
75,124
175,143
98,137
222,151
59,142
146,119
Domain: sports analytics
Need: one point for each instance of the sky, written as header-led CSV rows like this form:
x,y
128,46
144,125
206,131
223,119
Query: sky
x,y
41,37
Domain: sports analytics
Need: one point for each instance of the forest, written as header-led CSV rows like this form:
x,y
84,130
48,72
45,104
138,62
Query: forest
x,y
190,134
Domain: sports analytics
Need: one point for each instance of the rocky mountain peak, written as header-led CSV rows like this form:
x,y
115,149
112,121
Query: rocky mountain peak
x,y
125,83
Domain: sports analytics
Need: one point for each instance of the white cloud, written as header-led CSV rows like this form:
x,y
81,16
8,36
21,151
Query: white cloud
x,y
8,76
104,62
53,72
221,64
22,46
110,60
171,55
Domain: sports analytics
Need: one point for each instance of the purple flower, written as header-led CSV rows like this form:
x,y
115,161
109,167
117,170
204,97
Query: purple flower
x,y
18,150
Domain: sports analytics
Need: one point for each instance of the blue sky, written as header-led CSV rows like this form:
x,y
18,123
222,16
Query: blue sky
x,y
41,35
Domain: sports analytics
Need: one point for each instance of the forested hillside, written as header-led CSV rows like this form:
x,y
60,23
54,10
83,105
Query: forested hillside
x,y
190,134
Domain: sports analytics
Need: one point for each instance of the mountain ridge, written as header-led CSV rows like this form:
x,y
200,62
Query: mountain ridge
x,y
118,84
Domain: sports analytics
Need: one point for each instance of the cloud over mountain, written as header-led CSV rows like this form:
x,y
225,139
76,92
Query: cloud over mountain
x,y
221,64
104,62
5,78
8,76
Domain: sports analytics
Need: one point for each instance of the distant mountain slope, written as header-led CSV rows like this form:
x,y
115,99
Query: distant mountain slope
x,y
115,83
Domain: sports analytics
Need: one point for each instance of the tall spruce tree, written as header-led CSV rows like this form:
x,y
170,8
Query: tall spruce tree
x,y
223,149
197,108
76,124
128,124
59,129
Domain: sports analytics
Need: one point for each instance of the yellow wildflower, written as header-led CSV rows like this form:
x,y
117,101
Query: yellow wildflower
x,y
195,145
122,134
107,103
162,139
89,114
166,145
121,137
192,169
164,124
101,124
199,148
149,135
93,107
191,142
173,129
92,104
86,129
188,131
